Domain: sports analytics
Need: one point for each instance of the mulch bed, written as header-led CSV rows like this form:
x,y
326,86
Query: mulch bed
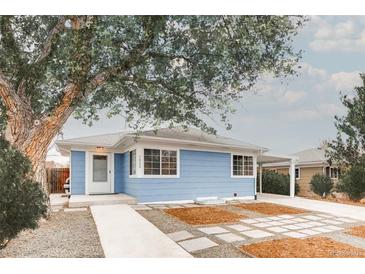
x,y
271,209
358,231
204,215
315,247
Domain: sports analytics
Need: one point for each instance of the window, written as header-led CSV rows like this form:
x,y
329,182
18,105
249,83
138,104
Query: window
x,y
100,168
333,172
248,166
242,165
132,162
237,165
297,173
160,162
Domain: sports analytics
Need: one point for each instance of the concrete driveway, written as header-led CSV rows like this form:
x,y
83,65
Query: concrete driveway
x,y
355,212
124,233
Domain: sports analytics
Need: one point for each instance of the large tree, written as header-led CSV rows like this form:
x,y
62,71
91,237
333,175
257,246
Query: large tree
x,y
349,145
152,68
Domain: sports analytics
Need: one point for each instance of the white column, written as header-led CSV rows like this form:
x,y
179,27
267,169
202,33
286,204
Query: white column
x,y
260,167
292,177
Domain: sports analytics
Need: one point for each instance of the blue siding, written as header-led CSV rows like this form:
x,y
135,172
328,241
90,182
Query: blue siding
x,y
77,172
118,173
201,174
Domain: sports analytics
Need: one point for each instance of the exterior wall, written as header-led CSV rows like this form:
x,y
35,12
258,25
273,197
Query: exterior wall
x,y
202,174
118,173
77,172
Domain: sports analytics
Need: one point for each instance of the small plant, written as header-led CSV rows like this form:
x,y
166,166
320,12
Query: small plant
x,y
22,201
276,183
321,184
353,181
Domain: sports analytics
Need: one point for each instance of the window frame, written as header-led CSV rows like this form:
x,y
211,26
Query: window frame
x,y
143,175
332,169
299,171
129,164
254,166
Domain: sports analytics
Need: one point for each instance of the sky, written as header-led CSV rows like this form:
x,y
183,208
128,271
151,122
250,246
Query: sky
x,y
285,115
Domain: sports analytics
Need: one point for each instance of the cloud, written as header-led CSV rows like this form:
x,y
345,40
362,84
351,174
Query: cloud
x,y
344,36
323,110
291,97
345,80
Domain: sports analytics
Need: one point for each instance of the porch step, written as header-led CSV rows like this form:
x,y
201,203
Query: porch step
x,y
112,199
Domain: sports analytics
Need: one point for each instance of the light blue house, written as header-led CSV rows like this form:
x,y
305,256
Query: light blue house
x,y
165,165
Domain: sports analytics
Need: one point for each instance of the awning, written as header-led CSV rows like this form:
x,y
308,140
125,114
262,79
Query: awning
x,y
270,159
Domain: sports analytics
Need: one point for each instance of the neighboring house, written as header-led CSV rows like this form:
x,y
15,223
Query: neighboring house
x,y
164,165
309,162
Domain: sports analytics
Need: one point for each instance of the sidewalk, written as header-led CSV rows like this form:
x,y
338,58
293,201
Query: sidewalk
x,y
355,212
124,233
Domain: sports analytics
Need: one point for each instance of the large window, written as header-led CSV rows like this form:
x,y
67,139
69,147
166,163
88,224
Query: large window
x,y
297,173
333,172
132,162
160,162
242,165
100,168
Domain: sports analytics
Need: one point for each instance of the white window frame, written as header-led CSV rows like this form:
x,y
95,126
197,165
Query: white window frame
x,y
160,175
299,171
331,169
254,166
129,163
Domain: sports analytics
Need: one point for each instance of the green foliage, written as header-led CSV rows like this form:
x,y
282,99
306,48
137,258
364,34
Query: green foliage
x,y
154,69
273,182
350,142
22,201
321,184
353,181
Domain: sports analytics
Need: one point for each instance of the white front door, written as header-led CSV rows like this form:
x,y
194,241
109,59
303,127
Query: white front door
x,y
100,175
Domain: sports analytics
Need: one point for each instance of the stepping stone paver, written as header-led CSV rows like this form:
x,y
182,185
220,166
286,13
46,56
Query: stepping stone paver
x,y
345,220
288,221
249,221
309,232
265,219
197,244
313,218
299,220
257,233
332,222
277,229
324,216
305,225
291,227
230,237
316,223
213,230
293,234
333,227
239,227
286,216
274,218
75,209
180,235
322,229
275,223
262,225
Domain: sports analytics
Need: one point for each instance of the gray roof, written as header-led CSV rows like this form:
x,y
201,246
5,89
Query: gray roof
x,y
190,135
312,155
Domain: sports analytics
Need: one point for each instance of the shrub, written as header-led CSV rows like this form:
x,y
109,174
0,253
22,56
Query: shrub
x,y
22,201
353,181
276,183
321,184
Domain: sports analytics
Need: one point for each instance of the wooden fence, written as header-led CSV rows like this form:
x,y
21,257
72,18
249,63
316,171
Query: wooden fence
x,y
56,177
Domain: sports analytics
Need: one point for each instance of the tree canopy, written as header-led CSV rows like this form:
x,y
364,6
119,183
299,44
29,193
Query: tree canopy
x,y
152,68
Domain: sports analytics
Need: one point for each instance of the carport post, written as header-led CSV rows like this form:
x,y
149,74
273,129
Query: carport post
x,y
260,168
292,177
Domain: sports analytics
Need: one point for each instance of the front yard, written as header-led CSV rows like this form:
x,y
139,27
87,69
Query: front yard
x,y
257,229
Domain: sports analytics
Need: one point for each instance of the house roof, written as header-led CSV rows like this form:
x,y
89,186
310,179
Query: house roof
x,y
191,135
311,156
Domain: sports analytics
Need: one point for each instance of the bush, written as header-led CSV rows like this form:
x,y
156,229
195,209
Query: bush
x,y
22,201
276,183
353,181
321,184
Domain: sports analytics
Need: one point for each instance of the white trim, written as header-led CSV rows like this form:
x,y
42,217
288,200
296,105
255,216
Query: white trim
x,y
243,163
87,172
299,173
110,172
239,198
193,201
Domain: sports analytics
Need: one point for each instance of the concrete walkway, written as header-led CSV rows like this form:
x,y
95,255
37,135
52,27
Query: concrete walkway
x,y
124,233
355,212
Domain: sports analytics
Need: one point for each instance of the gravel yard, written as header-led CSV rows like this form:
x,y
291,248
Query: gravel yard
x,y
63,235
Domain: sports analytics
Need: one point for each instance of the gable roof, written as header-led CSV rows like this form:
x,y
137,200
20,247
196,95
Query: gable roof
x,y
191,136
312,155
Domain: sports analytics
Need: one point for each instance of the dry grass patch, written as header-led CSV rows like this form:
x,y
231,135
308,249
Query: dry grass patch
x,y
271,209
316,247
204,215
358,231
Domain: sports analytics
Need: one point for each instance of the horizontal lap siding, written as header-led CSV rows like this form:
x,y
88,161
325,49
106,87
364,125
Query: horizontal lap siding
x,y
201,174
77,172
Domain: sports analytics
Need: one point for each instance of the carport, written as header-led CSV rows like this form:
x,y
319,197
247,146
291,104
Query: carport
x,y
264,158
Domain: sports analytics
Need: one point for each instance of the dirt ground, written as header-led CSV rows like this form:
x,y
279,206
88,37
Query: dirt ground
x,y
63,235
315,247
204,215
271,209
358,231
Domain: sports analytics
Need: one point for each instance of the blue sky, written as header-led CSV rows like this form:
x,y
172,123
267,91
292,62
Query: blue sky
x,y
293,114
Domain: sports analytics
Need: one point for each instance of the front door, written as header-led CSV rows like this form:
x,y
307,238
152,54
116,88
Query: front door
x,y
100,182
